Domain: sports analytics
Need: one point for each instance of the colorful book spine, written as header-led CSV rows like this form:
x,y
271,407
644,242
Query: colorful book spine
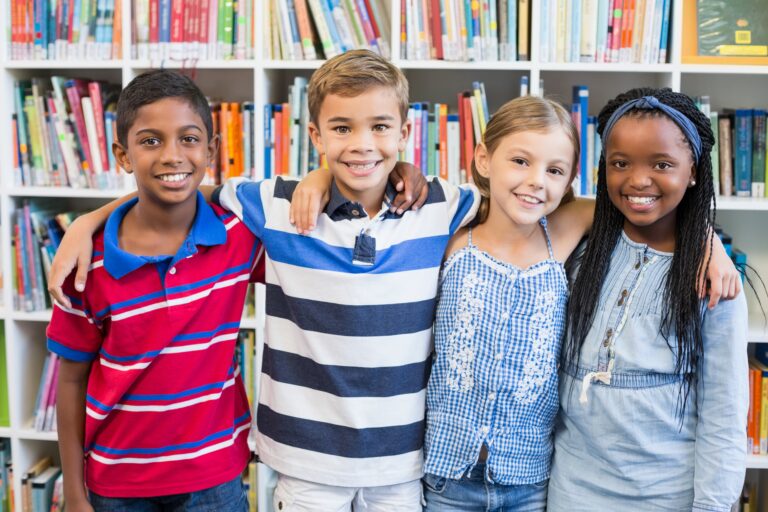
x,y
758,153
742,144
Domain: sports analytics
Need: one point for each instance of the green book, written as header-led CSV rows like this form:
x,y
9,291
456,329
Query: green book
x,y
5,417
736,28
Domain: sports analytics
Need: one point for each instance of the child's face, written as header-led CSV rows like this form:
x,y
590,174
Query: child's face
x,y
361,137
167,151
648,169
529,173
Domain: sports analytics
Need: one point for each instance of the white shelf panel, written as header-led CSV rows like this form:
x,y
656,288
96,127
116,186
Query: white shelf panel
x,y
249,323
757,461
6,432
63,64
464,66
32,434
88,193
292,64
758,329
193,64
742,203
723,69
608,68
33,316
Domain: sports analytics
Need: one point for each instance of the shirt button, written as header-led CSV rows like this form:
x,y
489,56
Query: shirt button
x,y
624,293
356,213
505,316
606,342
499,356
172,271
491,397
637,265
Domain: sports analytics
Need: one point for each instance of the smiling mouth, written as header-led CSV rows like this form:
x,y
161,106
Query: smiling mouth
x,y
362,168
529,199
174,178
642,200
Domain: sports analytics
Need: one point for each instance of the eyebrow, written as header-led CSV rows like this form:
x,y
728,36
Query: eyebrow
x,y
340,119
526,153
183,128
655,155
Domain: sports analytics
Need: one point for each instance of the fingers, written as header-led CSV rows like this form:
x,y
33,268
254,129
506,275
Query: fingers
x,y
55,281
715,292
422,198
83,262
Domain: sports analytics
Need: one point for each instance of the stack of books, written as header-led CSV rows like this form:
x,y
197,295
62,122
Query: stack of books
x,y
623,31
45,403
193,29
464,30
234,124
66,30
317,29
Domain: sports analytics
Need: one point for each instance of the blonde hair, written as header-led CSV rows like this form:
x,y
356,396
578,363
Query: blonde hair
x,y
351,74
526,113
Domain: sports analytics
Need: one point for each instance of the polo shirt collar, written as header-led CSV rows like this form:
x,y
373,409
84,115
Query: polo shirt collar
x,y
207,229
341,208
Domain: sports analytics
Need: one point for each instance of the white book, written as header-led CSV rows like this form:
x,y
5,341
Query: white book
x,y
93,138
588,43
454,145
410,145
655,39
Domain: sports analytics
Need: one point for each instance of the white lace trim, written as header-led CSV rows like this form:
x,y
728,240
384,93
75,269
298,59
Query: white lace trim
x,y
460,346
539,364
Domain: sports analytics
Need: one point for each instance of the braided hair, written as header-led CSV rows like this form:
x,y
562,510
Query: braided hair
x,y
683,312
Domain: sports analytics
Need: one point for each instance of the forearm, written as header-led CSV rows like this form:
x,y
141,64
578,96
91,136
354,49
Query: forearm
x,y
71,430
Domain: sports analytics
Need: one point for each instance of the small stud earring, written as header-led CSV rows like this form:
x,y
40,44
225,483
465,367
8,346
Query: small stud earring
x,y
692,183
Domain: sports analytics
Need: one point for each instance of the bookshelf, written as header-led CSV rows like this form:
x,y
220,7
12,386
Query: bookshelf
x,y
262,81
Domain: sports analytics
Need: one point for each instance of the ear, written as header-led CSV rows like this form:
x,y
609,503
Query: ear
x,y
482,160
121,156
405,132
213,148
692,177
317,140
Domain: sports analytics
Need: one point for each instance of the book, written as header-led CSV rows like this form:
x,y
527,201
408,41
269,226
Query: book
x,y
726,155
733,28
758,152
742,151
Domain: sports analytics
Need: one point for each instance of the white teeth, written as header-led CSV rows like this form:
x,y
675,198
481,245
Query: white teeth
x,y
170,178
641,200
362,167
529,199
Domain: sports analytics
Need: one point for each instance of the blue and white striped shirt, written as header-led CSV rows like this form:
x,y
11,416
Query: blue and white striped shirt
x,y
494,380
347,349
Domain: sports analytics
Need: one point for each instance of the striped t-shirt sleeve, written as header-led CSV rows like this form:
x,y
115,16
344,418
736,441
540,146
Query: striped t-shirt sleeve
x,y
73,333
244,198
463,202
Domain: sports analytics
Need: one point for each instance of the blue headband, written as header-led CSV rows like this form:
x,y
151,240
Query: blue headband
x,y
652,103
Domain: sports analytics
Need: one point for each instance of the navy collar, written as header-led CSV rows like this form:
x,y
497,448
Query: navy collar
x,y
207,229
341,208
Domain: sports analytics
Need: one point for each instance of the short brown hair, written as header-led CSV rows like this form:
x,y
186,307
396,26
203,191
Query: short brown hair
x,y
526,113
351,74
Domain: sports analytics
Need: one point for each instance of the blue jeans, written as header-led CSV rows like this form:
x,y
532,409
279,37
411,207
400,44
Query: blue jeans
x,y
229,497
474,494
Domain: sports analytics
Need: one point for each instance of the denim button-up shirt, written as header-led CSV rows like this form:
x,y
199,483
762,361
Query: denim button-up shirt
x,y
620,443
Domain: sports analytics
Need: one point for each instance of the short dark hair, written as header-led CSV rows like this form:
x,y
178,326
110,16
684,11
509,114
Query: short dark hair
x,y
156,85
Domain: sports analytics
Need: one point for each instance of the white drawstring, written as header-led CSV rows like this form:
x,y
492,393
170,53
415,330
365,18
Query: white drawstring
x,y
361,497
604,377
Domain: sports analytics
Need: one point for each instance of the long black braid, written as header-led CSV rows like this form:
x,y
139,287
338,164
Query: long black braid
x,y
683,311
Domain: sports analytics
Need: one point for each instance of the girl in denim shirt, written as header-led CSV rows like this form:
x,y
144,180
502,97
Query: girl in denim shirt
x,y
654,386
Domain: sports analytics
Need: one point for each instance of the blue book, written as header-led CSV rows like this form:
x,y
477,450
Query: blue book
x,y
424,137
581,98
742,146
109,118
267,141
663,44
603,7
164,32
469,27
436,149
40,12
327,11
512,28
575,42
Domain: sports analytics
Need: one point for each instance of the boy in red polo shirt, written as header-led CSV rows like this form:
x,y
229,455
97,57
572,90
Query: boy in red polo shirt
x,y
151,406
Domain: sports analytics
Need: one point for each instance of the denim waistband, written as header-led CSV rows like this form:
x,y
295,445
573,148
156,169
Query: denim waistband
x,y
627,380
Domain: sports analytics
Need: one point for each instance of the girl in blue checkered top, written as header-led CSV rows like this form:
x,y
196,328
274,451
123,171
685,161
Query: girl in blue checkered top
x,y
492,395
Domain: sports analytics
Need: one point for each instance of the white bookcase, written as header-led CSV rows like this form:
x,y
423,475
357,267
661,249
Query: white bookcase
x,y
262,81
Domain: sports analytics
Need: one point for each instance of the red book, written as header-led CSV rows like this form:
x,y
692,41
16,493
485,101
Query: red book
x,y
437,29
76,90
202,28
278,165
469,135
462,134
374,24
154,24
285,133
177,15
94,88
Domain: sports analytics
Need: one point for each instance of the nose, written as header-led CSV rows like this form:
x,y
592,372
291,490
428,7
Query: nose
x,y
361,142
171,154
640,178
535,177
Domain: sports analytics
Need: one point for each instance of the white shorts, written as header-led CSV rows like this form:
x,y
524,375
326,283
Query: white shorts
x,y
294,495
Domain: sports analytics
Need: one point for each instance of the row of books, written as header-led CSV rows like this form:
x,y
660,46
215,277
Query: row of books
x,y
624,31
740,155
757,418
465,30
193,29
44,419
5,417
234,124
316,29
36,234
62,133
66,30
42,487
